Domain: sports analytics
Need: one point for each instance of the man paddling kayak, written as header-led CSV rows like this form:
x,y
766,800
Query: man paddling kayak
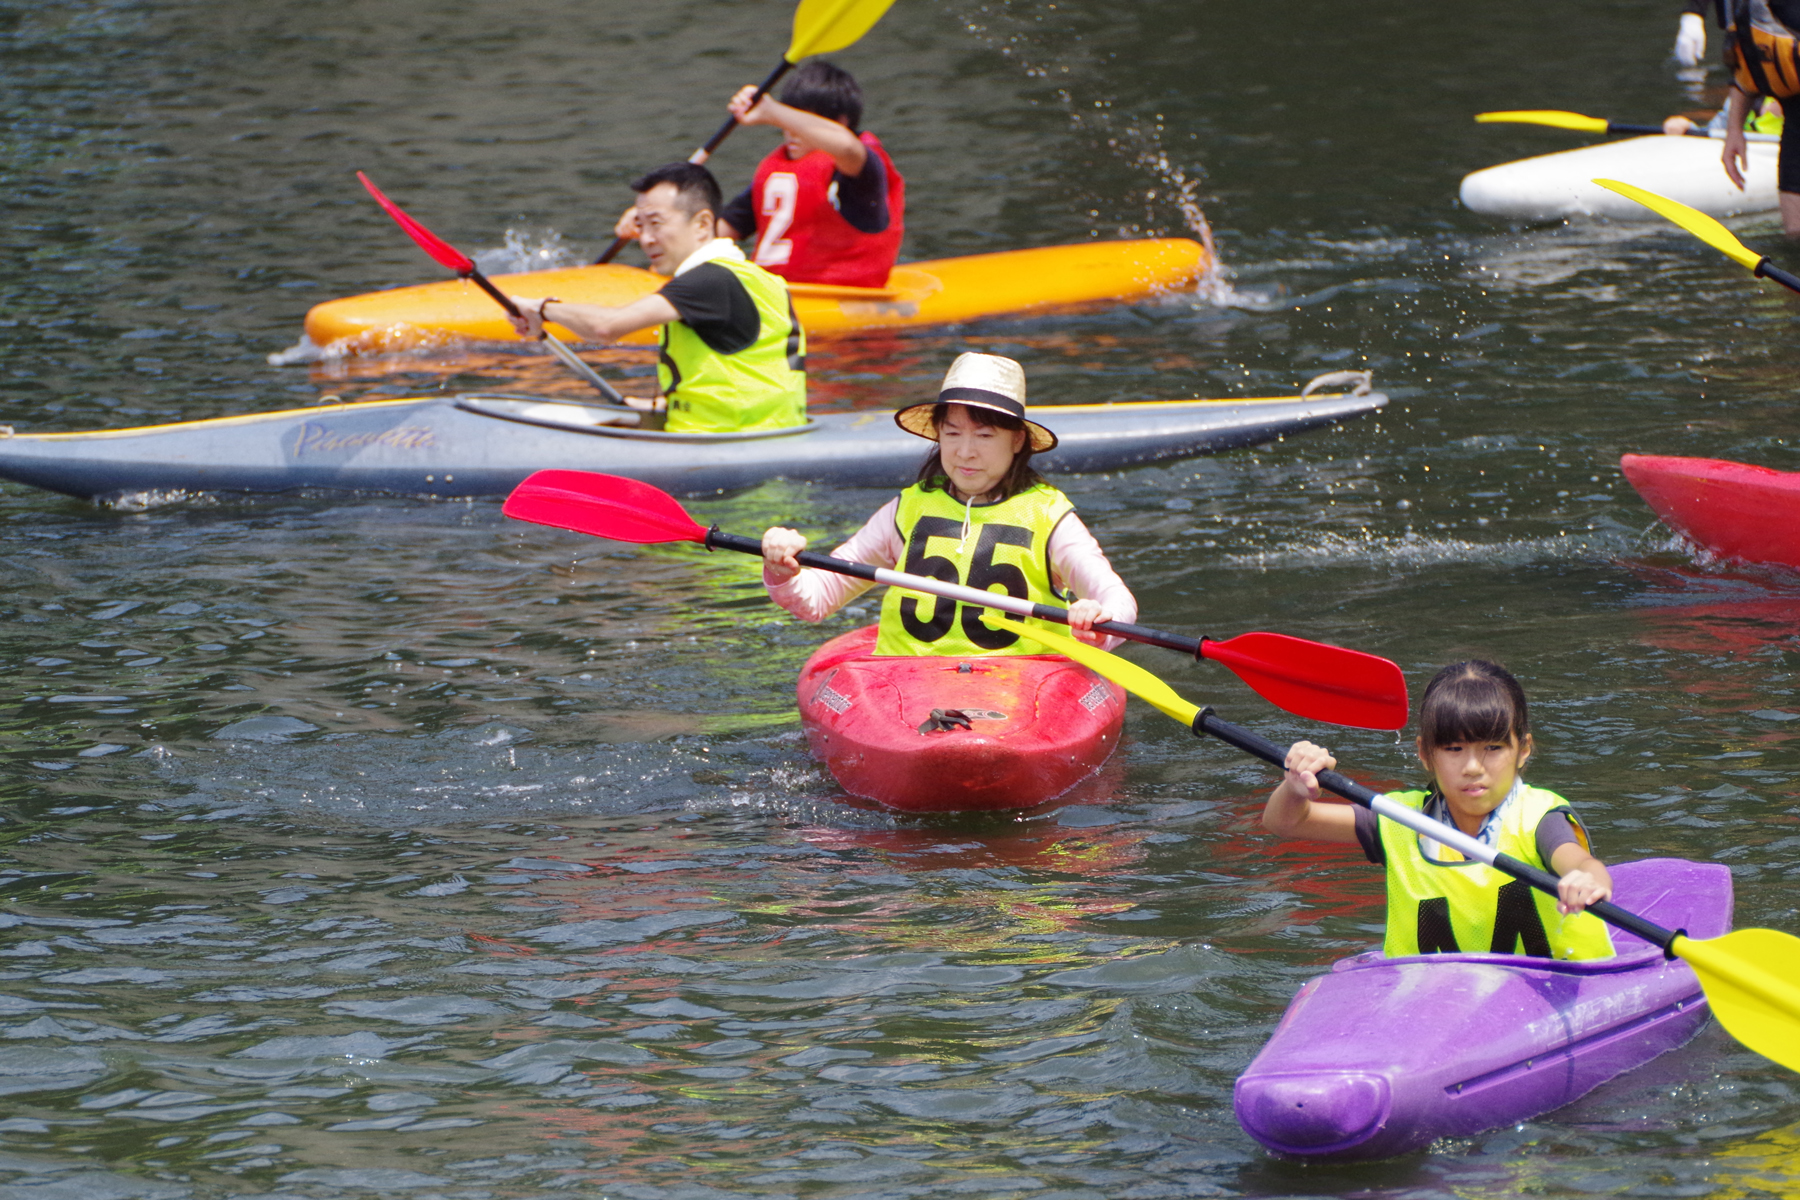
x,y
733,354
827,204
978,515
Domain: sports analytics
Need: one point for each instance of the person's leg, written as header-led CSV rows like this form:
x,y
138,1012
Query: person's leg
x,y
1787,177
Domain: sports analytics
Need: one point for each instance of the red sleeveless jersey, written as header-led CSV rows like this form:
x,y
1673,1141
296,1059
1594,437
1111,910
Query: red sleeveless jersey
x,y
802,237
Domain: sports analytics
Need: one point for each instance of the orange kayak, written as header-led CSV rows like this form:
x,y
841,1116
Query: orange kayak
x,y
940,291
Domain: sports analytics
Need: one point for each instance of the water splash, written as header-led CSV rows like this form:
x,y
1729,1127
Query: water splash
x,y
1024,38
1417,550
527,250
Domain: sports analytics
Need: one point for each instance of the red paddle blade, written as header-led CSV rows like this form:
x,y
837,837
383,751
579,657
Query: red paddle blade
x,y
1316,681
429,242
605,506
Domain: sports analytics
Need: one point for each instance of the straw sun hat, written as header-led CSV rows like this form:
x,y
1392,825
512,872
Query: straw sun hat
x,y
979,381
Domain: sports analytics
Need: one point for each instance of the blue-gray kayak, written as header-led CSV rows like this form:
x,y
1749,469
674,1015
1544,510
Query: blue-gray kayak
x,y
484,445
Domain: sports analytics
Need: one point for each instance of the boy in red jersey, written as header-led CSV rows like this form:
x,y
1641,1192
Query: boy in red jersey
x,y
826,205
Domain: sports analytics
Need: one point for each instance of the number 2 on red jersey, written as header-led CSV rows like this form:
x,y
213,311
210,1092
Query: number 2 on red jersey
x,y
781,194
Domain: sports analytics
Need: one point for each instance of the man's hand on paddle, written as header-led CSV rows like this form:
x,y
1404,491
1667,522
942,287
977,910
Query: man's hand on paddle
x,y
627,226
529,325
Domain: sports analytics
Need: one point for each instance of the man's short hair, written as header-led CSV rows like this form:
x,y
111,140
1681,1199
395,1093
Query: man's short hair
x,y
826,89
695,187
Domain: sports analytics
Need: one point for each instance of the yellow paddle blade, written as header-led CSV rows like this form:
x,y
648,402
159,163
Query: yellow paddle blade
x,y
1690,219
1545,116
1127,675
1752,982
822,26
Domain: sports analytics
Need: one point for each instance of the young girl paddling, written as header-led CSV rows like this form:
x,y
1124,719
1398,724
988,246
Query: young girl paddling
x,y
978,515
1474,738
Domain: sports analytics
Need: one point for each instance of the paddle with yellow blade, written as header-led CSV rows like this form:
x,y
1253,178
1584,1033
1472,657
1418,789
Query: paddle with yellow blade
x,y
1751,976
1707,230
820,27
1558,119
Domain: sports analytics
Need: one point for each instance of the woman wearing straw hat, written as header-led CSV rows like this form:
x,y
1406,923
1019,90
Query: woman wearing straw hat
x,y
978,515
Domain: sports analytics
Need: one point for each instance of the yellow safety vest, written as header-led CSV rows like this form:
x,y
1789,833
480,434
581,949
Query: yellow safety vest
x,y
1006,548
1449,903
762,386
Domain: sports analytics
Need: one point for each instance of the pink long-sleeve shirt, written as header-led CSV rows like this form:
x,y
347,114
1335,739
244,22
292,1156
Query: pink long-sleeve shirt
x,y
1076,561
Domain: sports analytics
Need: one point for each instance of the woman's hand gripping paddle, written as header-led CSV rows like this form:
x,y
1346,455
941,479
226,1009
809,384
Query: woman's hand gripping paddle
x,y
1557,119
1309,679
449,256
1751,976
1707,230
820,27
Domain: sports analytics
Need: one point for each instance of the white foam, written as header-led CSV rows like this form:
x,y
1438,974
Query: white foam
x,y
1415,549
299,354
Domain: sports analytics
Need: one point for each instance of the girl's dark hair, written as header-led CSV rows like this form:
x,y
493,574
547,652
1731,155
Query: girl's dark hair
x,y
826,89
1473,701
1018,478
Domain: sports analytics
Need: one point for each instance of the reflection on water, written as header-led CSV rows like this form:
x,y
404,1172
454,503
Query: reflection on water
x,y
353,846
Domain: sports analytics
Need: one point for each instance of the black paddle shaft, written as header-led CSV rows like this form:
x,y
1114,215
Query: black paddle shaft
x,y
700,156
717,539
1787,279
1356,793
731,123
501,298
1621,127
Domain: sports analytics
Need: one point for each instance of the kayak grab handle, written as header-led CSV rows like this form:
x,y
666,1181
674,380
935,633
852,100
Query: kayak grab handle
x,y
1364,381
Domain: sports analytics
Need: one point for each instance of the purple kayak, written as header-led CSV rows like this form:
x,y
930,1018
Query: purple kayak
x,y
1383,1056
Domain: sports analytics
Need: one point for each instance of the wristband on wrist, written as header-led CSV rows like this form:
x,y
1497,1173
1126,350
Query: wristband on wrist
x,y
546,302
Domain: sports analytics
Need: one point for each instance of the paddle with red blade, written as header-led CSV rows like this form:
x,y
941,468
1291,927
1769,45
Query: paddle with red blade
x,y
449,256
1310,679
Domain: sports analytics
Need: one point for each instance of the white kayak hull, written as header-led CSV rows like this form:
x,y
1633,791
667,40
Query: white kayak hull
x,y
1557,187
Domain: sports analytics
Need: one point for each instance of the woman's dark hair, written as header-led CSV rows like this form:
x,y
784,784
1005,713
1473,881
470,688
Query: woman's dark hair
x,y
1018,478
695,187
826,89
1473,701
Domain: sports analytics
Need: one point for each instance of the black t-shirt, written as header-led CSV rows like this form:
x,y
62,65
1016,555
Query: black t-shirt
x,y
715,305
861,200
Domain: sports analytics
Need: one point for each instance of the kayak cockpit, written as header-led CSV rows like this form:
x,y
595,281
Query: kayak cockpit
x,y
611,420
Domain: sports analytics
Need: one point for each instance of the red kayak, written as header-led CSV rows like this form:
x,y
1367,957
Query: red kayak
x,y
941,734
1732,509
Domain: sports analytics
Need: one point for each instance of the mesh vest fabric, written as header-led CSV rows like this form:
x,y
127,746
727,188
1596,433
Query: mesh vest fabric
x,y
1460,904
1007,548
800,234
762,386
